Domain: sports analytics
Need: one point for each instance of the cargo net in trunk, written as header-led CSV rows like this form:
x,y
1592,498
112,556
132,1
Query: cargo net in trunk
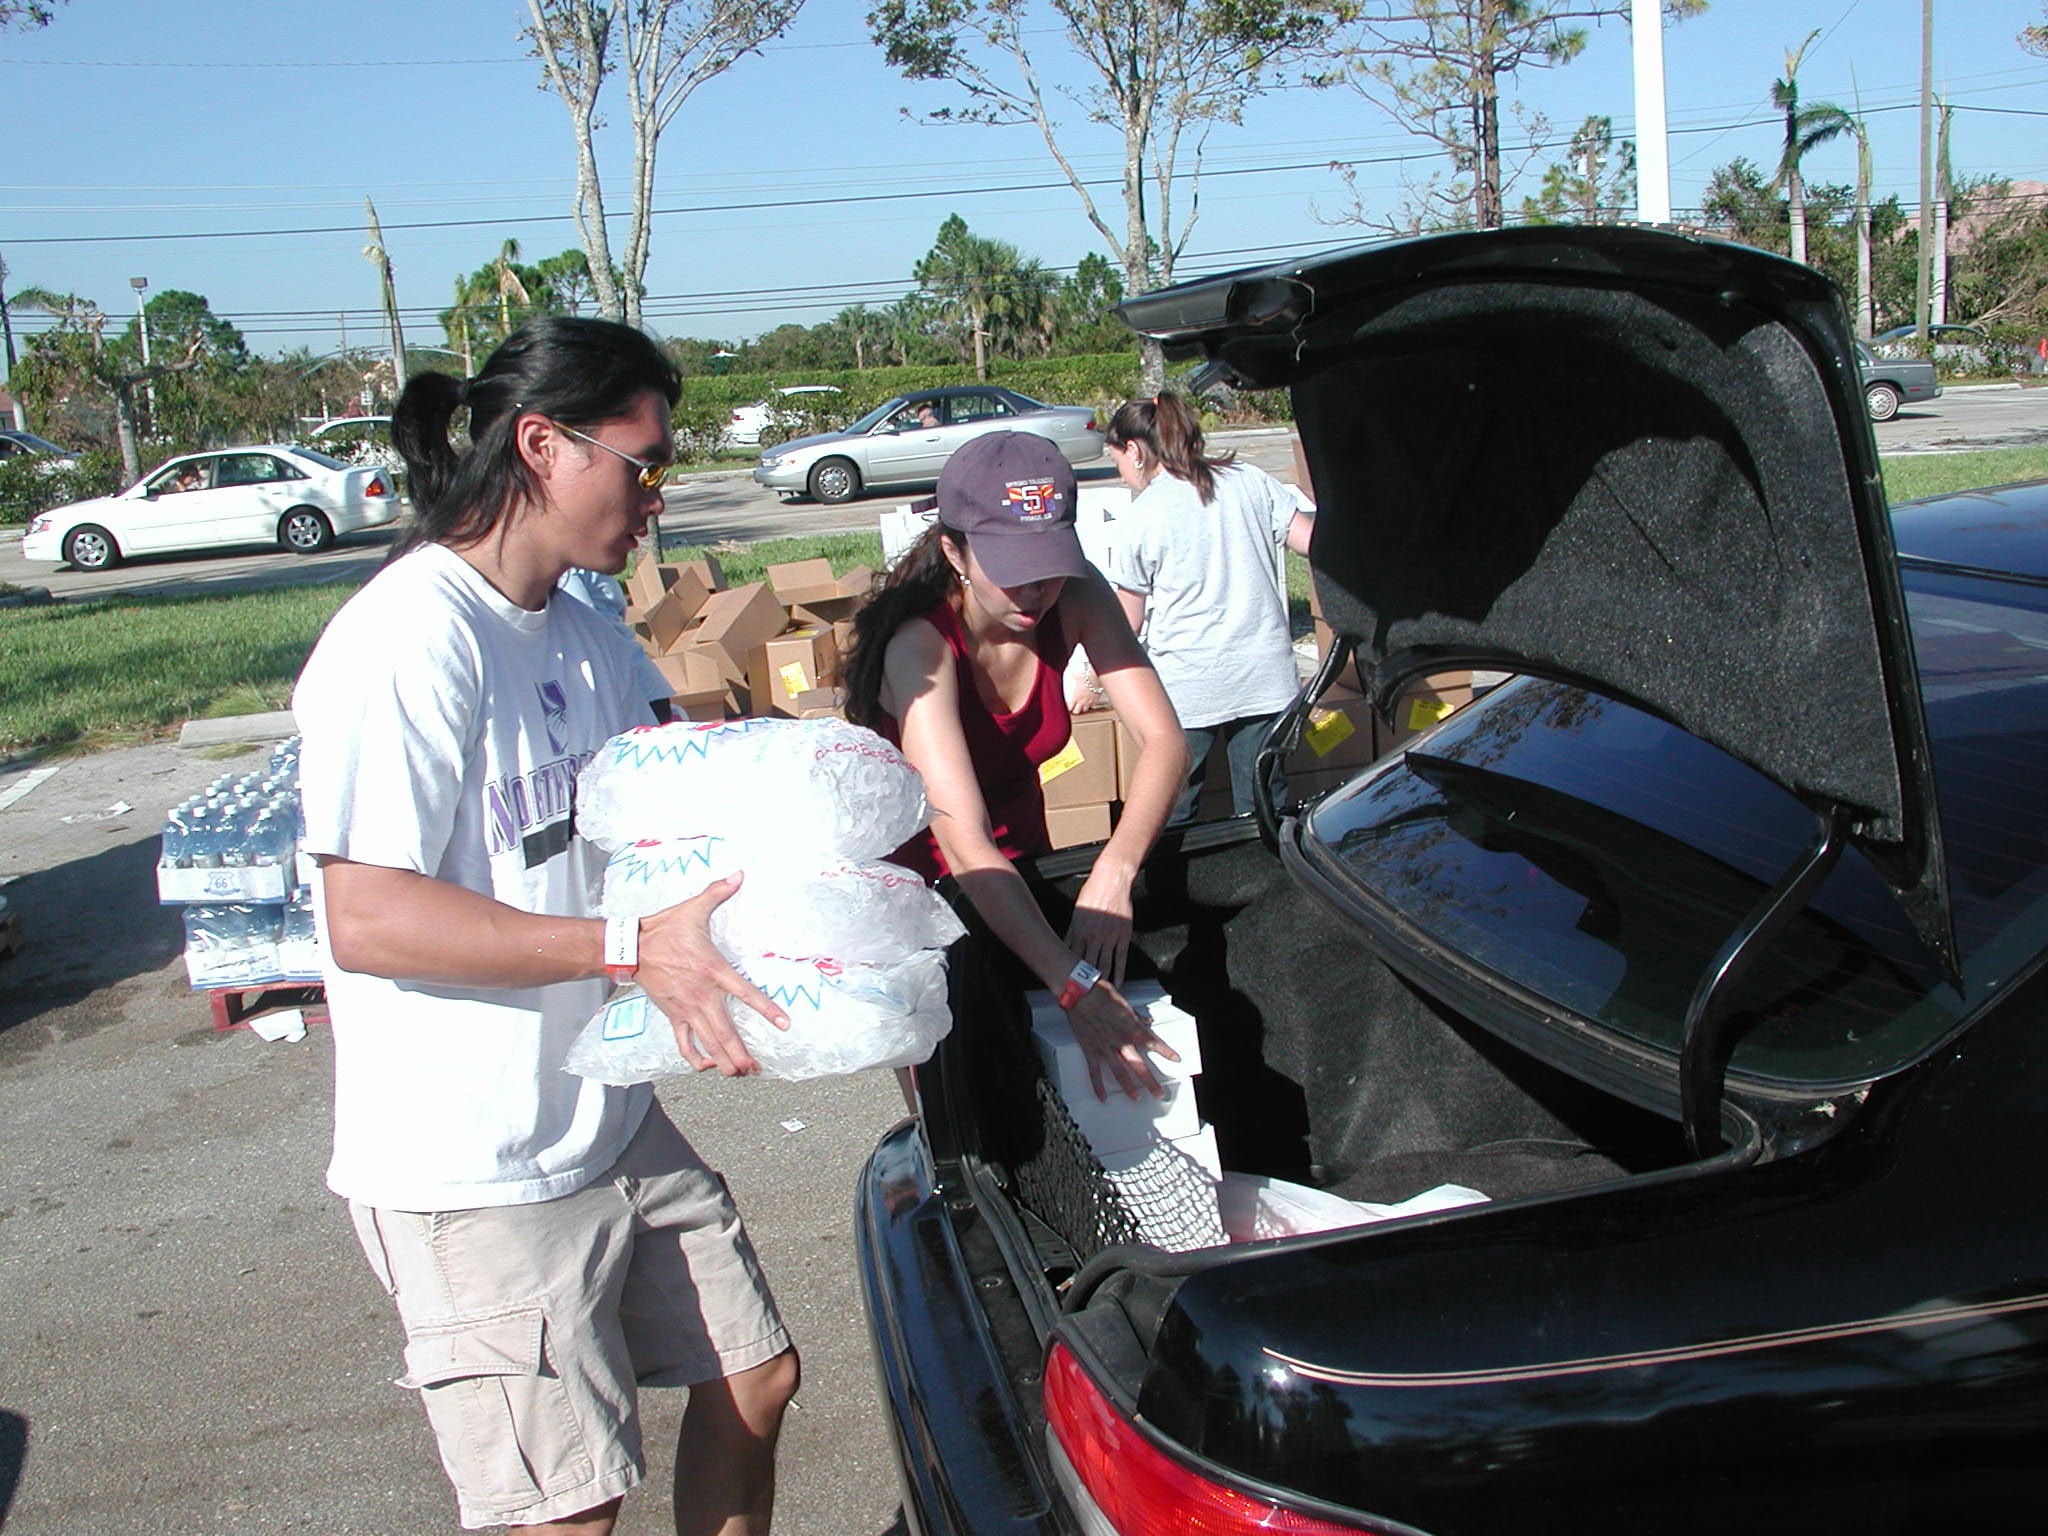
x,y
1157,1194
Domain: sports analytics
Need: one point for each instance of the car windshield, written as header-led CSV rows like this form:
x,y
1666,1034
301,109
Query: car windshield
x,y
878,415
36,444
1598,857
319,458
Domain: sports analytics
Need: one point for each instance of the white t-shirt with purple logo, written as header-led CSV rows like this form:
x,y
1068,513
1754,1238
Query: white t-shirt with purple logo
x,y
443,729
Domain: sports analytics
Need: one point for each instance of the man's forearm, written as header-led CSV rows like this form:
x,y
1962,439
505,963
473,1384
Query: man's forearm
x,y
412,927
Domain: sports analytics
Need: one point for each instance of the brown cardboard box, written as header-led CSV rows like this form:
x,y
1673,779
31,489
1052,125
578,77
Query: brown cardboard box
x,y
842,641
698,691
796,580
1302,482
1075,824
671,615
708,570
1436,696
815,596
1339,733
649,580
1084,773
1324,635
733,623
785,675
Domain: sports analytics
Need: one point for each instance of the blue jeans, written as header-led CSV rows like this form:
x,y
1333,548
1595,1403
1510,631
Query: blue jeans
x,y
1241,742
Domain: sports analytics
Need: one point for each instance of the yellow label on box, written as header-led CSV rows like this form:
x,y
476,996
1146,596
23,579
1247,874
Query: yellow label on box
x,y
794,678
1070,756
1328,729
1423,713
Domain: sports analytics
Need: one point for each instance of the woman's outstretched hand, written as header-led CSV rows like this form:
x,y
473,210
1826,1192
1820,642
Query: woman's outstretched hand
x,y
1115,1041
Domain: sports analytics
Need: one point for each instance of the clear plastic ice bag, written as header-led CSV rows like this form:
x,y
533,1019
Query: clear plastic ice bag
x,y
842,1018
811,786
861,910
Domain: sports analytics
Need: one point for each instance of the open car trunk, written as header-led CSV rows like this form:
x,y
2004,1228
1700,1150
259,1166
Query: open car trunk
x,y
1321,1066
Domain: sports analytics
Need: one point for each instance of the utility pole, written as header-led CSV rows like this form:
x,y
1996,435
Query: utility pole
x,y
1653,151
139,284
7,329
1923,276
380,258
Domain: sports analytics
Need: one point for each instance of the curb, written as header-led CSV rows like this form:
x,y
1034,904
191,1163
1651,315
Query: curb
x,y
274,726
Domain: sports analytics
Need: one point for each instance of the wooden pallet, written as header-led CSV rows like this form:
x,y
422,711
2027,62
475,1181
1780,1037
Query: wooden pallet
x,y
233,1007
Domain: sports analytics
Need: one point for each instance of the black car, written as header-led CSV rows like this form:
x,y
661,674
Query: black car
x,y
1708,948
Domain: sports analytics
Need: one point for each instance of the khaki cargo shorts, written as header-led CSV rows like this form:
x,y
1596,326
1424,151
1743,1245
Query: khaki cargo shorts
x,y
528,1327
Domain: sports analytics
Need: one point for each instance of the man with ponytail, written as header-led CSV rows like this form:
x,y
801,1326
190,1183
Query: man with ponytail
x,y
1193,566
957,660
551,1244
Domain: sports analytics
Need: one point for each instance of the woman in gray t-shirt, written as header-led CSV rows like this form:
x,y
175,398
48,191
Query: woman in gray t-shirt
x,y
1195,567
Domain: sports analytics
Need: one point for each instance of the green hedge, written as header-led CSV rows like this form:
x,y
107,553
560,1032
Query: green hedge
x,y
31,484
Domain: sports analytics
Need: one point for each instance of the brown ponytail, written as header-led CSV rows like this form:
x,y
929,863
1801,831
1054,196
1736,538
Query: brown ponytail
x,y
1168,426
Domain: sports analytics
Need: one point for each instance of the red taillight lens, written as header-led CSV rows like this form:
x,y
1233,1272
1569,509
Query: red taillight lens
x,y
1141,1490
376,487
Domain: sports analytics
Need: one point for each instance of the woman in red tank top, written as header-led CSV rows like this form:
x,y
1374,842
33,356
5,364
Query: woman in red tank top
x,y
958,661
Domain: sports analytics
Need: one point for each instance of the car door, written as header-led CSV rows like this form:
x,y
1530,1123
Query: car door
x,y
174,508
252,491
911,444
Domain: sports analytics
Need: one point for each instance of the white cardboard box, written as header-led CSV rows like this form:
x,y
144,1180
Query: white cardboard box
x,y
1119,1123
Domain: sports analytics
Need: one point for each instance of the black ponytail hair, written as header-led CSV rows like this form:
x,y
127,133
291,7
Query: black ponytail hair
x,y
1168,426
577,371
916,584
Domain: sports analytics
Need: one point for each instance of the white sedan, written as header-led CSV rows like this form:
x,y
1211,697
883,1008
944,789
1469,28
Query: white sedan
x,y
296,497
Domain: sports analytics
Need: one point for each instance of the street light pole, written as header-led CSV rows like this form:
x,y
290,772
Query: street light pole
x,y
142,321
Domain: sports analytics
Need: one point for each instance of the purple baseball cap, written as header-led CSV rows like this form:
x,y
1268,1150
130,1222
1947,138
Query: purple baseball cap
x,y
1013,495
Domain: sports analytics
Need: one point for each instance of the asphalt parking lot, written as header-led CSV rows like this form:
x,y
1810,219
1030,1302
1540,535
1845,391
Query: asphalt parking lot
x,y
195,1345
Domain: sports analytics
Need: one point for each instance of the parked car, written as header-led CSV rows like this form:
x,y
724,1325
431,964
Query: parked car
x,y
26,445
1890,381
1942,338
297,497
1708,948
747,420
907,440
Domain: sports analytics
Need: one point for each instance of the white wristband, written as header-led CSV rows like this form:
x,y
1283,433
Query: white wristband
x,y
621,947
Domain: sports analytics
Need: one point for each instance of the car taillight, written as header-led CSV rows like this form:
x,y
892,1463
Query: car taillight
x,y
1142,1491
376,487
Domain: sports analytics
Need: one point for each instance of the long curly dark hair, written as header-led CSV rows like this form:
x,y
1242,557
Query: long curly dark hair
x,y
916,584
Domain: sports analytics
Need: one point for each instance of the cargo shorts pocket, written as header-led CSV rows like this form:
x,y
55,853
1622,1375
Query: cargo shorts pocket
x,y
502,1416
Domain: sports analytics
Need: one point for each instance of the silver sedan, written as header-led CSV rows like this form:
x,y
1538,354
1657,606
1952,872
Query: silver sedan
x,y
908,440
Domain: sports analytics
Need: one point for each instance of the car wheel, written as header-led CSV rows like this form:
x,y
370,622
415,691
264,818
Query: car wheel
x,y
835,480
304,530
1882,401
91,548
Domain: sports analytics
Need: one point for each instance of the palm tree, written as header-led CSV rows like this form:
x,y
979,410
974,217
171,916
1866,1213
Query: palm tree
x,y
972,277
1806,129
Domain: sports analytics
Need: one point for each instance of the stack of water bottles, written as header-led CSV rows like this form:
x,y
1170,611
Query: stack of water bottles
x,y
231,859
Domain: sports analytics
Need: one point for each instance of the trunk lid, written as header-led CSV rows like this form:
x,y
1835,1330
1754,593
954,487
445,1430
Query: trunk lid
x,y
1614,456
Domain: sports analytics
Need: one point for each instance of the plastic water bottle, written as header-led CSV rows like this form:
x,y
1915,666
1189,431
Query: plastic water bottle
x,y
202,839
174,854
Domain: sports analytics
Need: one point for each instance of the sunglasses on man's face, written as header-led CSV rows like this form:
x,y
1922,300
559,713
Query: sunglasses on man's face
x,y
651,473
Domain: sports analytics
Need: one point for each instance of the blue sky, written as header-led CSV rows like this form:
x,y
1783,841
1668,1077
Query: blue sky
x,y
139,118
